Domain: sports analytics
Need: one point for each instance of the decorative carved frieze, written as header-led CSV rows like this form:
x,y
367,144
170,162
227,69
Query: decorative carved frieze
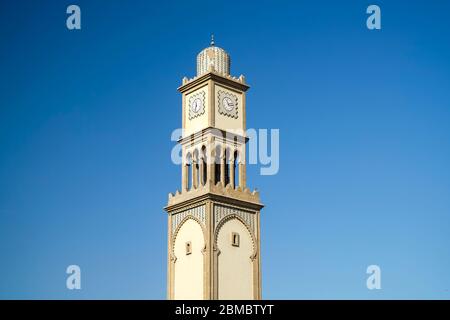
x,y
196,212
221,212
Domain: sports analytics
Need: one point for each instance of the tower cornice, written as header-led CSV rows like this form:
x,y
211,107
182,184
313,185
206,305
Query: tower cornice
x,y
222,135
237,83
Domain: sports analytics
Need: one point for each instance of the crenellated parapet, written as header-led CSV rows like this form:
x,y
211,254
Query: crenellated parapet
x,y
240,79
238,193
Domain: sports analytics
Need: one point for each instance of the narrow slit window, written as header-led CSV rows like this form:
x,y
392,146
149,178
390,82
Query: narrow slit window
x,y
188,248
235,239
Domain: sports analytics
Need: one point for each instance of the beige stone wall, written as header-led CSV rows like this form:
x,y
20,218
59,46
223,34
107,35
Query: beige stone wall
x,y
200,121
188,273
235,266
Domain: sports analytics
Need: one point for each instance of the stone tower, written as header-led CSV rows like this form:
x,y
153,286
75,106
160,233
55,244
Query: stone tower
x,y
214,221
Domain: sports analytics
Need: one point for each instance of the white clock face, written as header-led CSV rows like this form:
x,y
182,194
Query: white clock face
x,y
228,104
196,105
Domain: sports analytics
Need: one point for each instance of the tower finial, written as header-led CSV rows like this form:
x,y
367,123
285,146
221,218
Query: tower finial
x,y
212,39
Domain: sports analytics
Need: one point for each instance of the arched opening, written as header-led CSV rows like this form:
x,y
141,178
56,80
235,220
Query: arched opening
x,y
203,166
217,161
235,168
227,166
189,171
195,168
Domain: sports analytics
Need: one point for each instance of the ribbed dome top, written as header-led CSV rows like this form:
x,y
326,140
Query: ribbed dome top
x,y
213,56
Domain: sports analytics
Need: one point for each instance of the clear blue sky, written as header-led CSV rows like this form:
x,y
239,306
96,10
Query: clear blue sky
x,y
364,119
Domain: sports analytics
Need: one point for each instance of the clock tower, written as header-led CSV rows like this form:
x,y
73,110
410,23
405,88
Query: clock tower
x,y
214,219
